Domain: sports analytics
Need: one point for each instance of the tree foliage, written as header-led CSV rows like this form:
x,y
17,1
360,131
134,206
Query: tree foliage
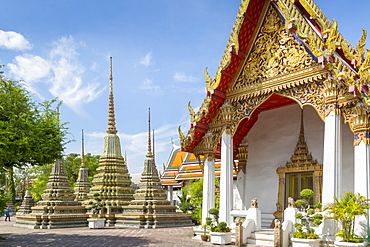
x,y
40,177
30,132
3,201
192,199
72,163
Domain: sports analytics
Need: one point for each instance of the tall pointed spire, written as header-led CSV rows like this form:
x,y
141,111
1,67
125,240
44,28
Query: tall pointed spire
x,y
83,184
153,147
83,151
111,116
149,154
150,201
112,182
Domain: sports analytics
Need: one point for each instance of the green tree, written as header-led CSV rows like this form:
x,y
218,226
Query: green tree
x,y
72,163
3,201
40,177
191,199
30,132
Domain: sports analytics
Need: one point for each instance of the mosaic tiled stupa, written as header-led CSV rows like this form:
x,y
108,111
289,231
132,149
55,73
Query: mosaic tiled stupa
x,y
112,181
150,208
27,204
57,209
83,184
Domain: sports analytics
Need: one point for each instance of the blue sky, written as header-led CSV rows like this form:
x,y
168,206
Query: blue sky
x,y
160,48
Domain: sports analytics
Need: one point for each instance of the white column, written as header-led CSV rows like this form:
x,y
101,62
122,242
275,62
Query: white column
x,y
362,169
362,181
240,190
170,194
208,186
226,180
332,164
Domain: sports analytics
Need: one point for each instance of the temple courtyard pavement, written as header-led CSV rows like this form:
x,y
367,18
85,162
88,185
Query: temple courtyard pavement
x,y
109,236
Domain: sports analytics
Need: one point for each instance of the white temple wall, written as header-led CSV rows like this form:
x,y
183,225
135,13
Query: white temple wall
x,y
272,141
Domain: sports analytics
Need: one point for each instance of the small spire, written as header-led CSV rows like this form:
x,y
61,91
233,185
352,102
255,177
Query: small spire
x,y
83,151
149,155
111,117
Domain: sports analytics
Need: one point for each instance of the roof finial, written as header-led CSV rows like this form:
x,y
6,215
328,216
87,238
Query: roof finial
x,y
111,117
149,155
83,151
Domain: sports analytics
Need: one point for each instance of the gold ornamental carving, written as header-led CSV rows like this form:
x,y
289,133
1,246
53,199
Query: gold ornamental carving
x,y
243,158
227,112
275,52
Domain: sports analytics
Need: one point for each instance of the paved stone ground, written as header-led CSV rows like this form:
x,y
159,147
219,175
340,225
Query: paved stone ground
x,y
109,236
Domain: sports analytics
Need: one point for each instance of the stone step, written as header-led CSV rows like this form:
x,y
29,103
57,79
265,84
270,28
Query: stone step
x,y
266,219
260,242
264,237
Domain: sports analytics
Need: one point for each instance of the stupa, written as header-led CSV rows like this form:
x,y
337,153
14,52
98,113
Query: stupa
x,y
112,181
57,209
83,184
150,207
27,204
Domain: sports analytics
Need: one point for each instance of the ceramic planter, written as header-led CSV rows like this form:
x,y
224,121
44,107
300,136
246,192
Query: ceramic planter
x,y
302,242
204,237
96,222
220,237
348,244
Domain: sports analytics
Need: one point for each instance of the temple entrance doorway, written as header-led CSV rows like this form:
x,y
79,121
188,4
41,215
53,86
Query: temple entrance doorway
x,y
295,182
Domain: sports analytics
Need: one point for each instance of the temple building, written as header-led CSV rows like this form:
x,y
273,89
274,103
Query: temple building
x,y
83,185
286,74
57,209
112,181
150,207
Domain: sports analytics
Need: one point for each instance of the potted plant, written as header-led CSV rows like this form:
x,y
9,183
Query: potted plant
x,y
345,210
96,206
206,228
220,234
308,218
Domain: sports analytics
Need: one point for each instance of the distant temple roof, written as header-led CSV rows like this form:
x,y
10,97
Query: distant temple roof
x,y
183,166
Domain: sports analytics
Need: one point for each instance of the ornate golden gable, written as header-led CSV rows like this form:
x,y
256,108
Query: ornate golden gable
x,y
275,52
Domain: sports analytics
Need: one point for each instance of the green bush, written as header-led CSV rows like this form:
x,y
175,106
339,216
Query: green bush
x,y
213,211
300,203
221,227
306,194
318,205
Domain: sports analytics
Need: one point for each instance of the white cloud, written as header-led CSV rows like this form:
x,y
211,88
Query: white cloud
x,y
148,85
63,71
184,78
29,68
147,60
13,41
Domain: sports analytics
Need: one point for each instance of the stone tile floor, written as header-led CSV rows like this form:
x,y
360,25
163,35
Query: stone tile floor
x,y
109,236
